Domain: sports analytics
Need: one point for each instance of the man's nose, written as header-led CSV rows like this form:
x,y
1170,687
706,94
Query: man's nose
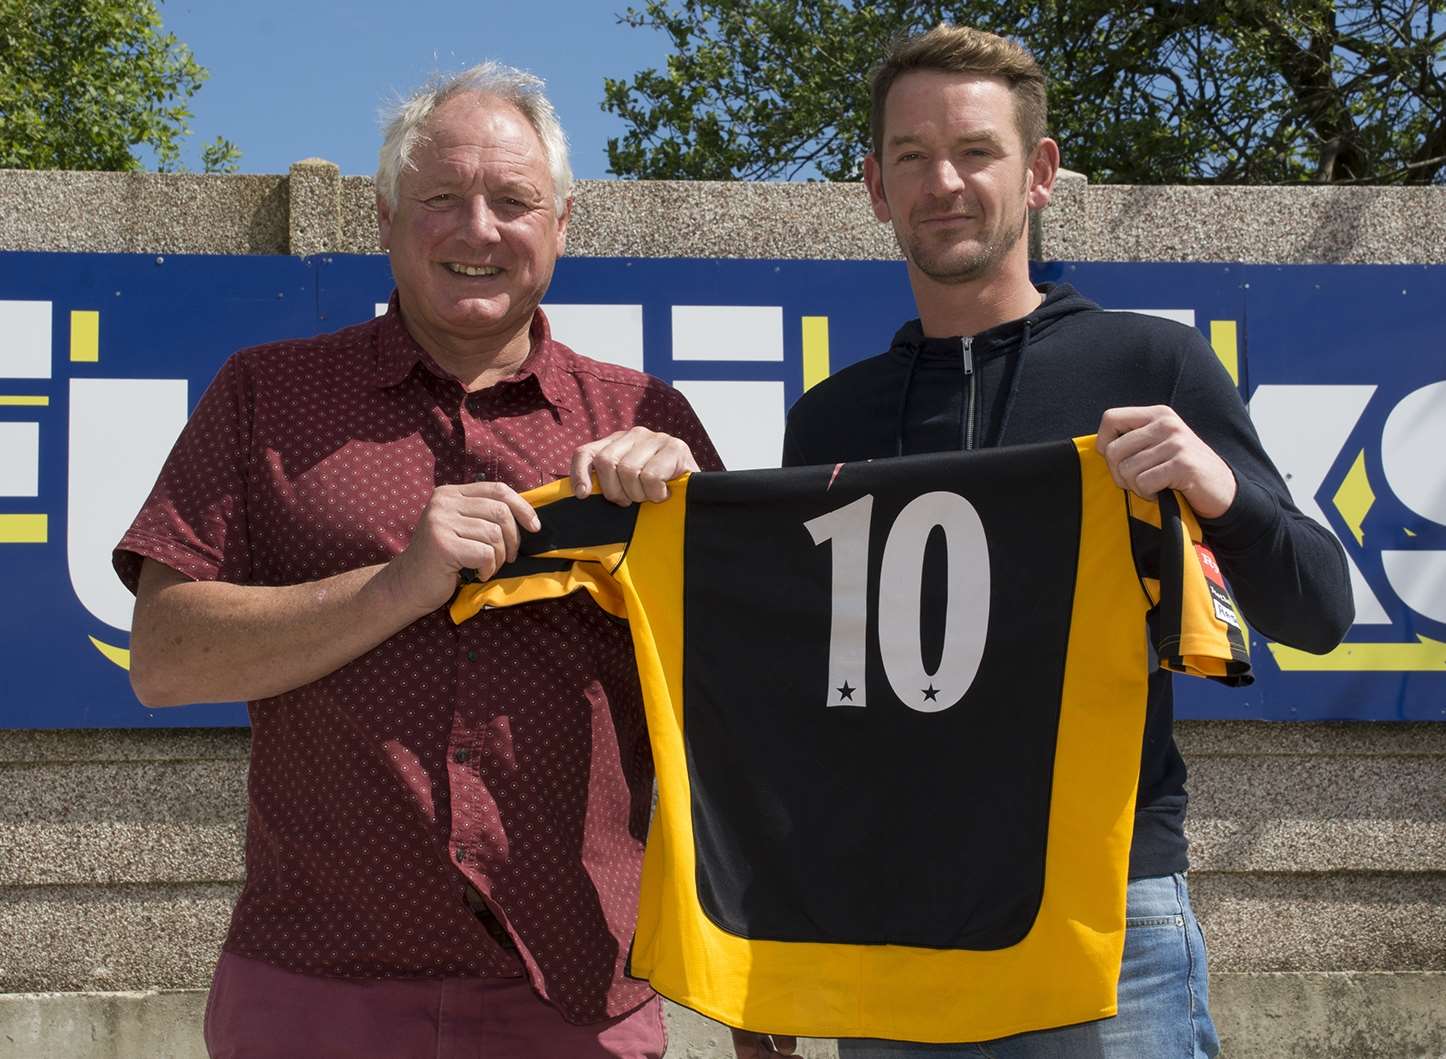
x,y
943,178
479,222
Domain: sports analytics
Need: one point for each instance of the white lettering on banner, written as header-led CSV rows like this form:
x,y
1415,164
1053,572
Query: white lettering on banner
x,y
1180,316
966,609
1304,428
613,333
19,459
25,339
1412,447
121,431
728,332
744,418
1413,451
1419,578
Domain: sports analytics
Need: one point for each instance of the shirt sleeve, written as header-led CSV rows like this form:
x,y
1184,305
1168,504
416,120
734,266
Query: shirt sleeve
x,y
194,520
1288,570
1195,628
667,411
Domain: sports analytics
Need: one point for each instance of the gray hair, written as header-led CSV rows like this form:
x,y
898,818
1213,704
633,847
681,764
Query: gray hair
x,y
402,128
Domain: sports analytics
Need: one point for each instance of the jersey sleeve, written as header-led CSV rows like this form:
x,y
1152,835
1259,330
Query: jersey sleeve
x,y
1196,627
578,549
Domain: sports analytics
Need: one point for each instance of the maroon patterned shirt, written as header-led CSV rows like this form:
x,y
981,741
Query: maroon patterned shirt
x,y
508,752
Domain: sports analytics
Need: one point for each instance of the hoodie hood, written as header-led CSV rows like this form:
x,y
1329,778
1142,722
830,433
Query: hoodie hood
x,y
967,358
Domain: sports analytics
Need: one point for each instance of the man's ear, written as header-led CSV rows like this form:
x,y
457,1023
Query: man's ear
x,y
874,181
1043,168
562,220
384,223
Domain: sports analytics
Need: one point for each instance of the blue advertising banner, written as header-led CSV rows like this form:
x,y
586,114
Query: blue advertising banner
x,y
102,356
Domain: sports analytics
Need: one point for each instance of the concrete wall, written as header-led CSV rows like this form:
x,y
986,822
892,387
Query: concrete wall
x,y
1320,850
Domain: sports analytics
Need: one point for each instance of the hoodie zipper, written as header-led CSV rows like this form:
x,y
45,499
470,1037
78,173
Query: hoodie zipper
x,y
967,346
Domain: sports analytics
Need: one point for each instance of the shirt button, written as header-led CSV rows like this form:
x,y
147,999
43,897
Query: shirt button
x,y
471,656
461,854
461,756
480,476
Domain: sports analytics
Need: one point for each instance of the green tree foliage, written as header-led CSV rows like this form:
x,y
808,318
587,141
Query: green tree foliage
x,y
220,156
84,81
1190,91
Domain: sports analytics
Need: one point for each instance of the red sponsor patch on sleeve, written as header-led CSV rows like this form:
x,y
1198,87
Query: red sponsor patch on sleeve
x,y
1209,565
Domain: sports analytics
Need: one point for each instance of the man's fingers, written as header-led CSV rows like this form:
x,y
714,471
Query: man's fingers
x,y
631,466
1146,459
522,511
672,459
476,516
1127,435
588,461
481,546
620,463
607,476
582,461
637,469
496,522
1136,440
1129,454
1122,420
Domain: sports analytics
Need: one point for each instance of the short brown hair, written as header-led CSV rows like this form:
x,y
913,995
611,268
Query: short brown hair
x,y
961,49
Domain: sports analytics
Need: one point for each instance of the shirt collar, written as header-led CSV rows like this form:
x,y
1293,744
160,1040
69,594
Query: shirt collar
x,y
398,352
547,364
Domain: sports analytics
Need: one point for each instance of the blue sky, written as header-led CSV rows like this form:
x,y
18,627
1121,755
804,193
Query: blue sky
x,y
305,78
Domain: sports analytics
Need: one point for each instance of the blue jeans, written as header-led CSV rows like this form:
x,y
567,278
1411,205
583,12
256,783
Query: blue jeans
x,y
1164,1003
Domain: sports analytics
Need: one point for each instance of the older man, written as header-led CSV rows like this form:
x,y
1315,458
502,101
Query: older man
x,y
445,824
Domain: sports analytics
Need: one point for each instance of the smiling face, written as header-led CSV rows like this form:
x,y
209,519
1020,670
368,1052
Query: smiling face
x,y
953,176
474,235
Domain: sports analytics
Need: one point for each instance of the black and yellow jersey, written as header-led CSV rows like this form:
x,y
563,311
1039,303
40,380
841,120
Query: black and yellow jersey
x,y
896,711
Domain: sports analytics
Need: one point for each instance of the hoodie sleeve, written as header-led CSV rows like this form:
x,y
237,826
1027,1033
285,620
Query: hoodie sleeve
x,y
1288,571
792,450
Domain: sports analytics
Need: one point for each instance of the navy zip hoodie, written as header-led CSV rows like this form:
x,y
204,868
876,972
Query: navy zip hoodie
x,y
1052,375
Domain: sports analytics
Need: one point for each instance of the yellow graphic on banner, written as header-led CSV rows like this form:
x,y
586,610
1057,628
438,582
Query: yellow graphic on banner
x,y
815,350
84,336
1426,655
119,655
1223,339
24,400
24,529
1355,497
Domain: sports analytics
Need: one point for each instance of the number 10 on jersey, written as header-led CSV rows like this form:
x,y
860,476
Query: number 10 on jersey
x,y
899,594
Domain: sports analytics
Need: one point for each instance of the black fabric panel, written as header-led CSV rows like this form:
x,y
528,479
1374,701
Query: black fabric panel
x,y
1172,575
570,523
526,566
574,523
1145,543
938,821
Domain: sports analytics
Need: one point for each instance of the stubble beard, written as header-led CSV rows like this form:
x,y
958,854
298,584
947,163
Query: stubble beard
x,y
952,264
